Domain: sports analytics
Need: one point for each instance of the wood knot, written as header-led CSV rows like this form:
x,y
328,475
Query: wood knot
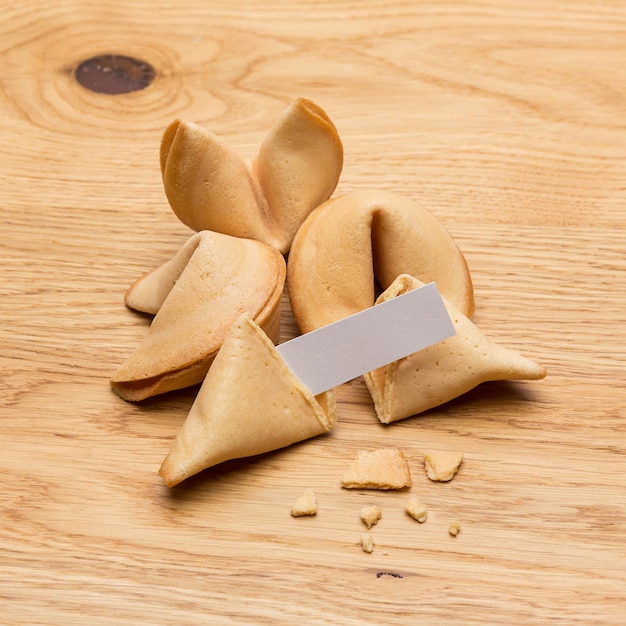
x,y
114,74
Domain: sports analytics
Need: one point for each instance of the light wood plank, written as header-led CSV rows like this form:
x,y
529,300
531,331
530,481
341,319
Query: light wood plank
x,y
507,121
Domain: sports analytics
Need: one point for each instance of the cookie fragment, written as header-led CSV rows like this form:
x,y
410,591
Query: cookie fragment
x,y
306,504
371,514
367,542
442,466
383,468
454,529
416,510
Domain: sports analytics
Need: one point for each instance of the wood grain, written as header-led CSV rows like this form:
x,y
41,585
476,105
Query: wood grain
x,y
507,120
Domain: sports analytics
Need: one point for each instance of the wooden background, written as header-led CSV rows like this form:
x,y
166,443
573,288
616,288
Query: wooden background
x,y
508,120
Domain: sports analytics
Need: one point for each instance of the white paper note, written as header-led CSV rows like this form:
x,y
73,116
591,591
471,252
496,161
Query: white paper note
x,y
386,332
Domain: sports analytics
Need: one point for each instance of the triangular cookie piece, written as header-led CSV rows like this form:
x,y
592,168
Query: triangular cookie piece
x,y
224,277
444,371
250,403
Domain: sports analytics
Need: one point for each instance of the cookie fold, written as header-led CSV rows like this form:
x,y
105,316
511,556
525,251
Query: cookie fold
x,y
199,294
149,291
249,403
296,168
444,371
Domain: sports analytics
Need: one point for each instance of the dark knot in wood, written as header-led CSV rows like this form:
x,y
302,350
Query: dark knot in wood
x,y
114,74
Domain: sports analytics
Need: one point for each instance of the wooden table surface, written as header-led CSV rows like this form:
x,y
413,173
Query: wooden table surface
x,y
508,121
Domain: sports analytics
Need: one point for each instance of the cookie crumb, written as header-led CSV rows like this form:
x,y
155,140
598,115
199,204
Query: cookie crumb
x,y
306,504
367,542
454,529
442,466
416,510
371,514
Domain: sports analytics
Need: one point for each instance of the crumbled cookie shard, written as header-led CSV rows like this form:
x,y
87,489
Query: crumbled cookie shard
x,y
367,542
383,468
306,504
416,510
442,466
454,529
371,514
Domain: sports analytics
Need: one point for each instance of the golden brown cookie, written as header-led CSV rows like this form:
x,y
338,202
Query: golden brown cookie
x,y
199,295
249,403
444,371
352,242
210,187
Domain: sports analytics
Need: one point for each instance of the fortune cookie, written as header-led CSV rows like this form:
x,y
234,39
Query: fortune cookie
x,y
249,403
210,187
443,371
351,242
199,294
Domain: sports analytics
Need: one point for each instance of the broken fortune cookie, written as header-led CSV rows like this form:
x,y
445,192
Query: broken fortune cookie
x,y
199,294
443,371
250,403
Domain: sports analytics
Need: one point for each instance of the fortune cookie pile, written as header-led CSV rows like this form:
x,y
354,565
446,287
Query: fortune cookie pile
x,y
217,302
